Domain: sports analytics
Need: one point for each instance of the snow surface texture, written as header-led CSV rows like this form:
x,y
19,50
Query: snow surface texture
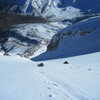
x,y
78,39
21,79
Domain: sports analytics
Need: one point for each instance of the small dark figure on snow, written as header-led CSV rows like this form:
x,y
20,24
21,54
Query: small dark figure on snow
x,y
66,62
40,65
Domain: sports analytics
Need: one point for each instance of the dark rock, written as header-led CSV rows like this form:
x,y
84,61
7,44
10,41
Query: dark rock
x,y
50,95
89,69
40,65
66,62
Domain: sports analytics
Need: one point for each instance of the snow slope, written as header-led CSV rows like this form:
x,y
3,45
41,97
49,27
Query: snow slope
x,y
21,79
82,72
78,39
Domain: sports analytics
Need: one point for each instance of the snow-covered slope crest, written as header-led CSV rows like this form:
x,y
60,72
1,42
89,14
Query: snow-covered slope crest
x,y
78,39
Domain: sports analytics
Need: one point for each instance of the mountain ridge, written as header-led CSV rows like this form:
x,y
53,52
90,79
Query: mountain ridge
x,y
78,39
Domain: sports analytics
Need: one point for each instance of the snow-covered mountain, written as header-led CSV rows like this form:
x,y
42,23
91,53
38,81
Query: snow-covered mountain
x,y
86,6
45,8
27,39
78,39
52,8
56,11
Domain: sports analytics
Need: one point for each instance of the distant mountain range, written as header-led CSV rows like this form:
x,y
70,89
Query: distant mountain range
x,y
45,7
87,6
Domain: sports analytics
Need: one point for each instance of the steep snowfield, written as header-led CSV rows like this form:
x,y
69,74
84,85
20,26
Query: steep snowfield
x,y
21,79
78,39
